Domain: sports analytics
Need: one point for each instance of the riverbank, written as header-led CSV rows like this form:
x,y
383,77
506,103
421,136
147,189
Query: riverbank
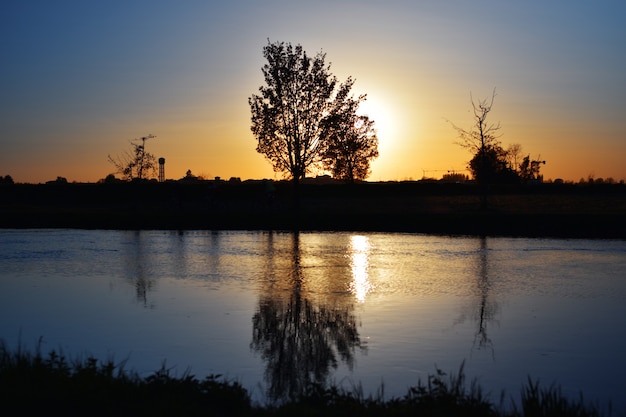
x,y
540,210
35,384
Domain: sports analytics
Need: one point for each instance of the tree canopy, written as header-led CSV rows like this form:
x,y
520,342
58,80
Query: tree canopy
x,y
352,140
299,113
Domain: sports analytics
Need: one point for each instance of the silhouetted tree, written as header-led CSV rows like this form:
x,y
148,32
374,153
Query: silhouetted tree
x,y
529,169
59,180
6,180
491,165
513,156
136,164
288,114
352,141
497,165
454,177
481,139
110,179
482,135
189,176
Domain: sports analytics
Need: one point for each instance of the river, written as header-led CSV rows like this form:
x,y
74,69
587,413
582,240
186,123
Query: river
x,y
373,311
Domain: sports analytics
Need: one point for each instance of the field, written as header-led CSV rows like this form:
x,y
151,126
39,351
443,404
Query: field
x,y
539,210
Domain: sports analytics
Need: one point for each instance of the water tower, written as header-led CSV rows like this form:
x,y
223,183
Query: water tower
x,y
161,169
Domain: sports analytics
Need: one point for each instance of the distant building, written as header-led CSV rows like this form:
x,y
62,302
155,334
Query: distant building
x,y
161,169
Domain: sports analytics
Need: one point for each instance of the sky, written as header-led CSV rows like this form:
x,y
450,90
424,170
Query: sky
x,y
81,79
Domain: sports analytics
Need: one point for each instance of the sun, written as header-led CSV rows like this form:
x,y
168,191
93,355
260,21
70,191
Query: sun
x,y
398,125
381,112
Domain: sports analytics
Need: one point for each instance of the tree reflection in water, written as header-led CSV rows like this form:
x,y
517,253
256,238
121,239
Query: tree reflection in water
x,y
138,260
299,338
487,308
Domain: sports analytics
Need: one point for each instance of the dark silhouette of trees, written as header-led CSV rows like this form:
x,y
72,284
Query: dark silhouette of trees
x,y
499,166
482,136
6,180
290,113
59,180
287,115
491,163
352,141
491,166
454,177
136,164
529,169
481,140
109,179
513,156
189,177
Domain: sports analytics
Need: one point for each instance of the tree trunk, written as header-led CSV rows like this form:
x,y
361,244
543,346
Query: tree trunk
x,y
296,201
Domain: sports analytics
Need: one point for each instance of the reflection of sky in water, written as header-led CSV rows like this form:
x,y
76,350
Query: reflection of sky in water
x,y
359,262
551,309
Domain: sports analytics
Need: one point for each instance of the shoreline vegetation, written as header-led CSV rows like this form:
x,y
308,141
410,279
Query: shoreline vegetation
x,y
596,211
37,384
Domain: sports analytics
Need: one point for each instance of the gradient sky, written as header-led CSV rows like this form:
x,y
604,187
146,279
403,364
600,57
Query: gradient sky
x,y
80,79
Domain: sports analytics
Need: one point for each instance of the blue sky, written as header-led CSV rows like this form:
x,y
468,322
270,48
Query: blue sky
x,y
79,79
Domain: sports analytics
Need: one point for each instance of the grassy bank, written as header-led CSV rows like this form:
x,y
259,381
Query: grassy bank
x,y
541,210
33,384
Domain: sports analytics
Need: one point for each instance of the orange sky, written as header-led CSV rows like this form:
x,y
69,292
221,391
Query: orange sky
x,y
80,83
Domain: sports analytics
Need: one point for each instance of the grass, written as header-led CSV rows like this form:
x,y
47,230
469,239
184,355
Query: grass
x,y
33,384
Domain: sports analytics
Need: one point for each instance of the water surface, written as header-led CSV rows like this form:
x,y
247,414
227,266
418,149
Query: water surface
x,y
279,310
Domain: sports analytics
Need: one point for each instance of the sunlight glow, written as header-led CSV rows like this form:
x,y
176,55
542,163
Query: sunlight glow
x,y
382,114
396,128
359,261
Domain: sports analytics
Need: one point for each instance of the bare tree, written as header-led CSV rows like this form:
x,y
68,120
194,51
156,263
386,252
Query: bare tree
x,y
514,155
136,164
482,135
481,138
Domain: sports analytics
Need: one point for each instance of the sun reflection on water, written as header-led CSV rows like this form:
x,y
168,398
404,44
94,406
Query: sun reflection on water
x,y
359,261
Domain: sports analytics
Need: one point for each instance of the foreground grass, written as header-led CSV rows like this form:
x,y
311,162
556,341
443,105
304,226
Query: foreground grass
x,y
34,384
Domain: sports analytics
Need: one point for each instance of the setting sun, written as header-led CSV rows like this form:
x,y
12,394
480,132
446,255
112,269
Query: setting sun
x,y
381,112
387,118
393,131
